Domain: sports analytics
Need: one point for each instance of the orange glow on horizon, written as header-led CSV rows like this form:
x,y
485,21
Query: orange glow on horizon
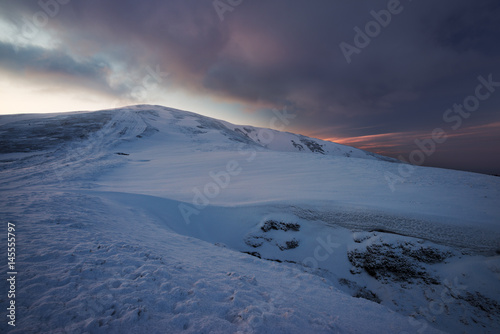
x,y
397,142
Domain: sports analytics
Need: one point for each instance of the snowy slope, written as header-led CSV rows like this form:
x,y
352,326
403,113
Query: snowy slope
x,y
151,219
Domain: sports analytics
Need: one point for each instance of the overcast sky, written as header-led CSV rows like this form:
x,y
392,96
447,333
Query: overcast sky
x,y
373,74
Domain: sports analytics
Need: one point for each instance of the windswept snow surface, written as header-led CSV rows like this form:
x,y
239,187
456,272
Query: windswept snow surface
x,y
148,219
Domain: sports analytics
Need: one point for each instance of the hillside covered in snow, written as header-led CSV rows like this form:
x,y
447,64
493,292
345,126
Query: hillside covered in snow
x,y
148,219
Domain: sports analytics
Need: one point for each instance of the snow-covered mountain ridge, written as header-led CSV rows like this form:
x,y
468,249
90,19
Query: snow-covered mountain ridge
x,y
56,129
151,219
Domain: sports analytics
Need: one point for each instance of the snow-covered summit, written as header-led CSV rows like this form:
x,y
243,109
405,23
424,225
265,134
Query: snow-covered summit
x,y
144,120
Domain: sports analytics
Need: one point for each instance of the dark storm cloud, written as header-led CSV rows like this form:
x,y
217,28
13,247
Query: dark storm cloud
x,y
55,66
49,61
428,57
286,52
